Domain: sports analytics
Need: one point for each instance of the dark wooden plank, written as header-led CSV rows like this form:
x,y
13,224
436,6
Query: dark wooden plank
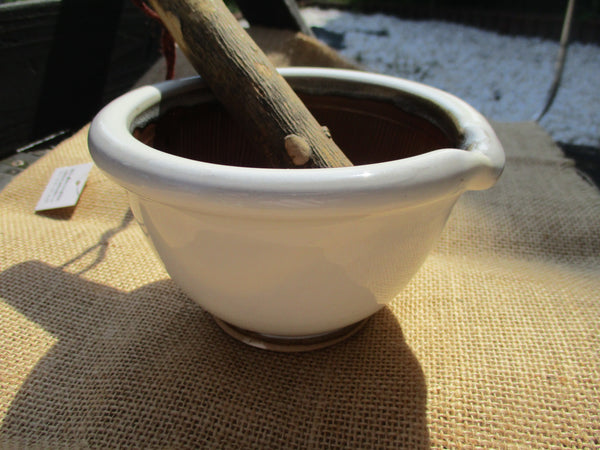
x,y
62,60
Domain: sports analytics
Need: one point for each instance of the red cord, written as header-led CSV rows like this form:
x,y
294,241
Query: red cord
x,y
167,41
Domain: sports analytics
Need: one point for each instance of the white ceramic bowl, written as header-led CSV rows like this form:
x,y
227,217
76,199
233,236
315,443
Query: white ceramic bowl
x,y
297,253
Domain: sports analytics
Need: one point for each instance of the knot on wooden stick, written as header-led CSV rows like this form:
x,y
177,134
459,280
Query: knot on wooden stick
x,y
298,149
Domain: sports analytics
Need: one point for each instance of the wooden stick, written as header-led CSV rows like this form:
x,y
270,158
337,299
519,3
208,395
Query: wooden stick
x,y
245,81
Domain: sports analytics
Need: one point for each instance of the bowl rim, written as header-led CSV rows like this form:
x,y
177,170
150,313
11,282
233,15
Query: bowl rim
x,y
171,179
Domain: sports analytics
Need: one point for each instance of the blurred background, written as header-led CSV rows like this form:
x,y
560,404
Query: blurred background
x,y
62,60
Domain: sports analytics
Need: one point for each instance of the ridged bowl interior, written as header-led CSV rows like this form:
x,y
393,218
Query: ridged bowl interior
x,y
367,130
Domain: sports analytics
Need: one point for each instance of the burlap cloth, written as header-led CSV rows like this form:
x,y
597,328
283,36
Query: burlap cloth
x,y
495,343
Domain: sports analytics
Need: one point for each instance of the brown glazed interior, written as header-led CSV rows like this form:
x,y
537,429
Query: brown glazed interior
x,y
368,131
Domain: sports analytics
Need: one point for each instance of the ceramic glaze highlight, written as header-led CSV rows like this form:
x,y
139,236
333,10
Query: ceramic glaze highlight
x,y
298,252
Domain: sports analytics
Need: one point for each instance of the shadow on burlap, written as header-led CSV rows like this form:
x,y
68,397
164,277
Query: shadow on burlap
x,y
150,368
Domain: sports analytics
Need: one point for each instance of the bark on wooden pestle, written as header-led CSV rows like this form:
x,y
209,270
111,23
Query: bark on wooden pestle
x,y
245,81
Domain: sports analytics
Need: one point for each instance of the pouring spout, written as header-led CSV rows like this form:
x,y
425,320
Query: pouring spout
x,y
486,154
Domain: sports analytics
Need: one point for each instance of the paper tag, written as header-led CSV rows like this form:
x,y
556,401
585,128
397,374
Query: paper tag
x,y
64,187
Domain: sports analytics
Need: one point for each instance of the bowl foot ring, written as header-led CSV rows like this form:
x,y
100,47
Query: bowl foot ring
x,y
290,343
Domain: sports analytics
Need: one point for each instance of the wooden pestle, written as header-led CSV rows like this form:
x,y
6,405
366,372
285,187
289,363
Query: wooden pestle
x,y
245,81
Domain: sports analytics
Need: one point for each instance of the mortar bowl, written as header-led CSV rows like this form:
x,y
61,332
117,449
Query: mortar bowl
x,y
295,259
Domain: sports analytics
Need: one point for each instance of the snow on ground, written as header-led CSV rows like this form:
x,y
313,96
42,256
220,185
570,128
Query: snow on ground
x,y
506,78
